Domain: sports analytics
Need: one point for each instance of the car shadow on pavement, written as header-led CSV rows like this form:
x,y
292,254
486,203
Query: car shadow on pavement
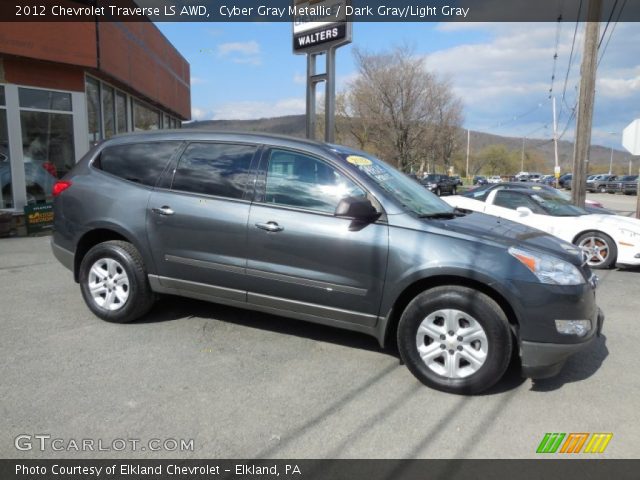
x,y
170,308
579,367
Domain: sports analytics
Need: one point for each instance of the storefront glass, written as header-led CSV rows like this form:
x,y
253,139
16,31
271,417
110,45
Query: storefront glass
x,y
108,111
6,199
47,143
121,112
93,110
145,118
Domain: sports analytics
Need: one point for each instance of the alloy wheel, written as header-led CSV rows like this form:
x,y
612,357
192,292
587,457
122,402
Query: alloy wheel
x,y
108,283
596,249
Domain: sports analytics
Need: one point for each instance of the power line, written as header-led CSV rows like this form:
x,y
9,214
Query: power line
x,y
615,4
612,30
573,44
555,55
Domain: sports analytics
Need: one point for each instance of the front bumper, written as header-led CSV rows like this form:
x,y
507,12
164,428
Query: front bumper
x,y
544,360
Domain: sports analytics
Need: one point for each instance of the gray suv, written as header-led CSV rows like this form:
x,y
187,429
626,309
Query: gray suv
x,y
326,234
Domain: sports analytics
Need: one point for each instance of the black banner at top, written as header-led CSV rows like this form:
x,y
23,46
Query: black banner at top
x,y
284,10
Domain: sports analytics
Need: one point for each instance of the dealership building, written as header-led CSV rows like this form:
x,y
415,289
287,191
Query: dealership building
x,y
66,86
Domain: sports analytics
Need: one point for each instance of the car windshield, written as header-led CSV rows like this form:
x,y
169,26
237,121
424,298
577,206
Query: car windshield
x,y
557,206
410,194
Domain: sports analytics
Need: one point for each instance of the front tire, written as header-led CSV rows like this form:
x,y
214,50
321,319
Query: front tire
x,y
113,282
600,248
455,339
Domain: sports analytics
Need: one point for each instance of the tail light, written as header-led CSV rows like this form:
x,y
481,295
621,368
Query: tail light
x,y
60,186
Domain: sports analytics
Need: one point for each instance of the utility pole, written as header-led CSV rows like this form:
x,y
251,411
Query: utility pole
x,y
522,156
585,103
556,169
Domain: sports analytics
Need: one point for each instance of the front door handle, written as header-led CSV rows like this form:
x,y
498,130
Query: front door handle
x,y
164,210
270,227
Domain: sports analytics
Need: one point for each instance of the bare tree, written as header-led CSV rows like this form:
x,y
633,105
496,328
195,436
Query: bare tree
x,y
400,111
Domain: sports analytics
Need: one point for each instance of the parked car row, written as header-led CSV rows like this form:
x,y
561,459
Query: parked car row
x,y
625,184
604,183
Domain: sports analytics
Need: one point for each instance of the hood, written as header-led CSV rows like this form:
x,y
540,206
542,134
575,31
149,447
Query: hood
x,y
615,221
489,229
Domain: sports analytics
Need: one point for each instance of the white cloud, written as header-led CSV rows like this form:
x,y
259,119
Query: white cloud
x,y
245,48
622,85
200,114
508,73
246,110
299,79
241,52
197,81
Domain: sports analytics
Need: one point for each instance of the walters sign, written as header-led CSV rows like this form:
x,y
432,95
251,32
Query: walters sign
x,y
320,24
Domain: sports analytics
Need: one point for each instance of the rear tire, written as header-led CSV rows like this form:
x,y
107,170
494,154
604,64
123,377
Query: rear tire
x,y
114,283
455,339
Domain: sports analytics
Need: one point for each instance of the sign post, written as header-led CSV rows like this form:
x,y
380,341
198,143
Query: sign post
x,y
319,28
631,141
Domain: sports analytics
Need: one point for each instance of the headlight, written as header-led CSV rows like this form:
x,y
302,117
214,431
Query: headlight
x,y
630,233
547,268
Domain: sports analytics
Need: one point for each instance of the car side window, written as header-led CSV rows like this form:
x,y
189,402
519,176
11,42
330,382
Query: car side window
x,y
297,180
513,199
141,163
219,169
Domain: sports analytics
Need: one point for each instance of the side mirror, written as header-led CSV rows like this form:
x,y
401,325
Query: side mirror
x,y
524,211
357,208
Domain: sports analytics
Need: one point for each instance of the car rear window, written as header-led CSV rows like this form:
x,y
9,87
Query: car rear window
x,y
141,163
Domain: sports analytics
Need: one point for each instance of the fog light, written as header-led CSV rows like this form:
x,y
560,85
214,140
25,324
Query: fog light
x,y
573,327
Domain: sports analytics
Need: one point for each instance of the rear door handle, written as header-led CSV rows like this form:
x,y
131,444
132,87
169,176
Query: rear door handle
x,y
164,210
270,227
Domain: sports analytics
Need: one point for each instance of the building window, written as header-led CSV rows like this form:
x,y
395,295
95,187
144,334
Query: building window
x,y
47,141
93,110
108,111
145,118
44,99
6,199
121,112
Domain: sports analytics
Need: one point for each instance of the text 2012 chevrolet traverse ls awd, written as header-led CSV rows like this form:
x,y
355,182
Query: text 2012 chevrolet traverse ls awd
x,y
326,234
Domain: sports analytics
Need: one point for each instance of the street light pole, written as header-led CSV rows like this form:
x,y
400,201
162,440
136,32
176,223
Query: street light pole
x,y
611,161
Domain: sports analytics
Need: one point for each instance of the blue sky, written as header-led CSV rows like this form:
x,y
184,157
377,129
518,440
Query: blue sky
x,y
502,71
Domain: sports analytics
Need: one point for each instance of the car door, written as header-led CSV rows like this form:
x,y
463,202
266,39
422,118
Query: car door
x,y
301,258
197,220
504,203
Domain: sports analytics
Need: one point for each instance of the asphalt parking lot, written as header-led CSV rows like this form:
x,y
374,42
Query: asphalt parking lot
x,y
250,385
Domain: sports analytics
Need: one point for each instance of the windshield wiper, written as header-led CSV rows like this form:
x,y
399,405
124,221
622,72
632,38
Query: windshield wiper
x,y
456,212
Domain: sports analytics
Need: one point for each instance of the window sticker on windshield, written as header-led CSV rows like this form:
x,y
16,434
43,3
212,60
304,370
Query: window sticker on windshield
x,y
358,160
535,187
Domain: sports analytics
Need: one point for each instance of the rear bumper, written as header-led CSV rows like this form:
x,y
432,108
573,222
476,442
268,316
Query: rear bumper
x,y
65,257
543,360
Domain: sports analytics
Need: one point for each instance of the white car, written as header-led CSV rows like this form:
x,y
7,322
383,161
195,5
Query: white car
x,y
494,179
606,239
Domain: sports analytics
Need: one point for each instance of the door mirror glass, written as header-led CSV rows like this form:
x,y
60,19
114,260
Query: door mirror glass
x,y
524,211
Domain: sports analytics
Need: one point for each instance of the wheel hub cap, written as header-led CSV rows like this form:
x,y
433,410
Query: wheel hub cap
x,y
109,284
452,343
